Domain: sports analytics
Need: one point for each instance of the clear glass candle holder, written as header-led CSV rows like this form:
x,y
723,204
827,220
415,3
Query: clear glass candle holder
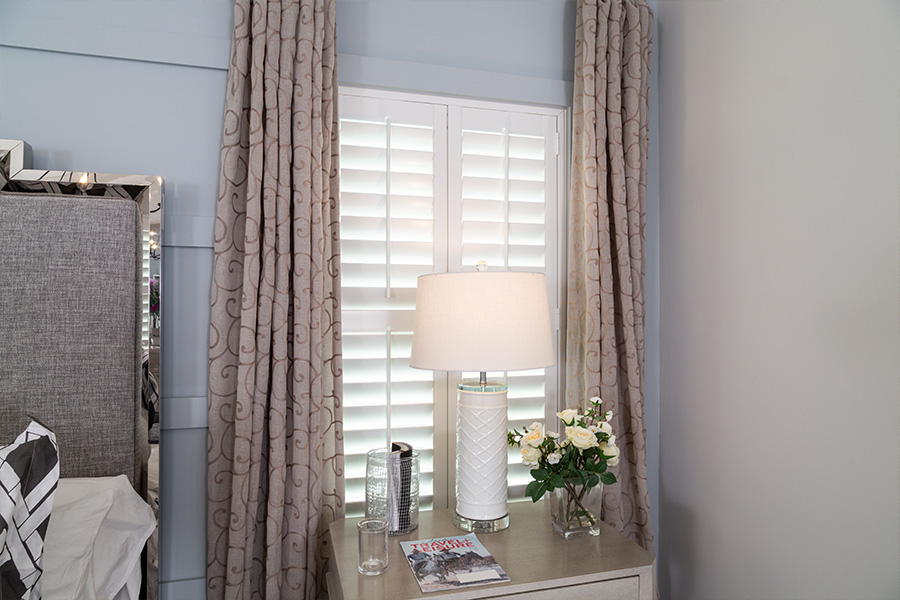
x,y
373,548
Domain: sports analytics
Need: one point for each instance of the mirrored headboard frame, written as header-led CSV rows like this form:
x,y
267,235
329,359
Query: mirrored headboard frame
x,y
15,155
16,175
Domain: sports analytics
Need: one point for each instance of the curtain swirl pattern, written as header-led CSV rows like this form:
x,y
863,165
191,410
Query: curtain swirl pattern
x,y
605,312
275,445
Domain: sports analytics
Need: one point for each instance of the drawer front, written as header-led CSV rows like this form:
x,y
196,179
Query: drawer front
x,y
627,588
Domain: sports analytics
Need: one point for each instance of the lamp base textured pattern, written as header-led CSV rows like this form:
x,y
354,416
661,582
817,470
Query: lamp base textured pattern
x,y
481,460
575,509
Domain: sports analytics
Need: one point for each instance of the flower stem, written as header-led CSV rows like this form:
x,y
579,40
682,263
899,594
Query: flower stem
x,y
576,497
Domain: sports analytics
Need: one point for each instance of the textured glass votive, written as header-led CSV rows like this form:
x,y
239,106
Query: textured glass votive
x,y
392,489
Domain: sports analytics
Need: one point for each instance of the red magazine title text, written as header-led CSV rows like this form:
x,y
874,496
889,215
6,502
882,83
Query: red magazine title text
x,y
447,544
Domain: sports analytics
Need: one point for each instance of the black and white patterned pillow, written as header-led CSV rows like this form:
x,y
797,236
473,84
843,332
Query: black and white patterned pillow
x,y
29,472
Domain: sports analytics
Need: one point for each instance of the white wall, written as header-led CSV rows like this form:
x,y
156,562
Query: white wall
x,y
651,290
780,280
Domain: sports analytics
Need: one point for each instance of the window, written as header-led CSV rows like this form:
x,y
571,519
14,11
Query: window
x,y
436,185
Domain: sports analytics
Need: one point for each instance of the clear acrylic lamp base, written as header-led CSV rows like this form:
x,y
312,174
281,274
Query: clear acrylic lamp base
x,y
480,526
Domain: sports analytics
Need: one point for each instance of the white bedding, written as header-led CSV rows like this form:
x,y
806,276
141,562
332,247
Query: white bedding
x,y
98,527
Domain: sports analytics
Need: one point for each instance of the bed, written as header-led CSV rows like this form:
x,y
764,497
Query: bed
x,y
72,322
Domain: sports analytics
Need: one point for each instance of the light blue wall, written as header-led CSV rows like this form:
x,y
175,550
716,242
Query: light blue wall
x,y
138,87
511,50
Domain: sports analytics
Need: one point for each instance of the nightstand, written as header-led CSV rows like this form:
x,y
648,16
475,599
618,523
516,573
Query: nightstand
x,y
540,563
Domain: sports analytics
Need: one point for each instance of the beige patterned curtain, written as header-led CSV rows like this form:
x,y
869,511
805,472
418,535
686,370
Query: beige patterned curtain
x,y
275,442
605,331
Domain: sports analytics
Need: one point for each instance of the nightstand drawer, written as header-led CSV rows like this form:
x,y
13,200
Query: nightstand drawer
x,y
627,588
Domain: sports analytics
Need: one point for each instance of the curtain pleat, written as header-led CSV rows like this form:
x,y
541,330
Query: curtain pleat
x,y
605,312
275,445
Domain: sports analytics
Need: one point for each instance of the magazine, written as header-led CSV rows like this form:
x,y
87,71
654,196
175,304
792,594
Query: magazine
x,y
452,562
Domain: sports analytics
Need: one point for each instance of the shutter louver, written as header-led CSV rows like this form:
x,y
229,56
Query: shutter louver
x,y
503,189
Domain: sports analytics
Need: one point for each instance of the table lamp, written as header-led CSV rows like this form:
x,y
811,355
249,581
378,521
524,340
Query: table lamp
x,y
481,321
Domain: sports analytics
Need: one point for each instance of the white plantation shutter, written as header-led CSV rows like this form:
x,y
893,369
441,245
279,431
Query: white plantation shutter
x,y
402,158
390,194
507,181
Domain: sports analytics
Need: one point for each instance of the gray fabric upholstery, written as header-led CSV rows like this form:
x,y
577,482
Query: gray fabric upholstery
x,y
70,322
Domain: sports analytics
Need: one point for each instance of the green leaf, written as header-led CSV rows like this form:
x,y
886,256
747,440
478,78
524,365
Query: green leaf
x,y
608,478
592,481
531,487
557,481
539,474
538,492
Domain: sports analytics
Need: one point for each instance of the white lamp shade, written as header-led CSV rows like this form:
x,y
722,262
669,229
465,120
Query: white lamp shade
x,y
482,321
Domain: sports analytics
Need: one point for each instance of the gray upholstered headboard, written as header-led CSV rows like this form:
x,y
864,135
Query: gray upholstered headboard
x,y
70,328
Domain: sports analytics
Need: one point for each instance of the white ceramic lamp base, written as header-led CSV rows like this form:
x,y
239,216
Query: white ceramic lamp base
x,y
481,443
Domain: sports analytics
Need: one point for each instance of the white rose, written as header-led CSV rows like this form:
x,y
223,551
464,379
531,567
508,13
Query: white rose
x,y
534,437
593,428
535,425
607,415
580,437
552,434
554,458
610,452
596,400
530,456
568,416
605,427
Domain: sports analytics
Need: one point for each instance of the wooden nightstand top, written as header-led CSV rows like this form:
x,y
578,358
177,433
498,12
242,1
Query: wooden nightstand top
x,y
535,557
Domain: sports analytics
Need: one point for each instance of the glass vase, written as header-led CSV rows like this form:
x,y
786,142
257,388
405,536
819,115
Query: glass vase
x,y
575,509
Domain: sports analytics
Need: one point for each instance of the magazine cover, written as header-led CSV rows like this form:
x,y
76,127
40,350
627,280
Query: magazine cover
x,y
452,562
